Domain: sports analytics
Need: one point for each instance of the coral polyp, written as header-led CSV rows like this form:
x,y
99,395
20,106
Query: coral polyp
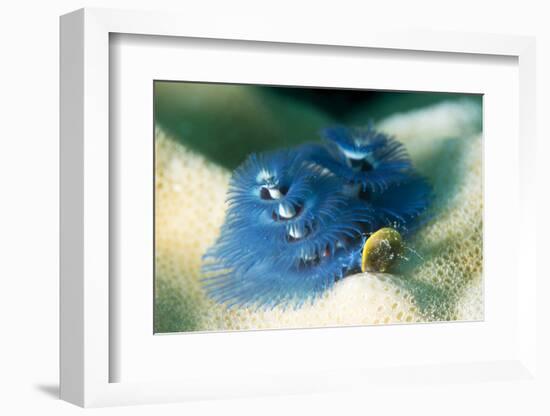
x,y
297,218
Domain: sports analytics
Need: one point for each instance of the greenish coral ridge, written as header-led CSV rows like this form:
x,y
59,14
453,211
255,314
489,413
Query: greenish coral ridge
x,y
225,123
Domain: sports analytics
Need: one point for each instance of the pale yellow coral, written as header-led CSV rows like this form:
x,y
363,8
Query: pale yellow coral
x,y
450,156
361,299
442,280
189,211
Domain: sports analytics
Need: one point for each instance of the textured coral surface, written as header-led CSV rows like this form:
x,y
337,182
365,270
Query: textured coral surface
x,y
447,282
441,280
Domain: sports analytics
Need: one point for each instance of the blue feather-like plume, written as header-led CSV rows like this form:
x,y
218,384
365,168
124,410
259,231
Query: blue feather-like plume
x,y
297,218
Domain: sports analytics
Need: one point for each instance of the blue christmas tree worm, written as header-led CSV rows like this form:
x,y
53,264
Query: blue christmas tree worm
x,y
298,218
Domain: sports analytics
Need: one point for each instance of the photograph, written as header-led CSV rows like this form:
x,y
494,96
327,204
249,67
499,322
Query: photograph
x,y
275,208
281,207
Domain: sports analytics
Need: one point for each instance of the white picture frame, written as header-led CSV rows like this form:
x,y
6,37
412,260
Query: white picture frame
x,y
86,353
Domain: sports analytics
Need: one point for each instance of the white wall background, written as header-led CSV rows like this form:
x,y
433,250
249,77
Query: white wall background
x,y
29,56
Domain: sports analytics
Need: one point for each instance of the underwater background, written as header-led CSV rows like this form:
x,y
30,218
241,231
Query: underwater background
x,y
204,131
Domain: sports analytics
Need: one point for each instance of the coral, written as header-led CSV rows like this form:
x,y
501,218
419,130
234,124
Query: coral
x,y
205,116
450,156
470,304
360,299
442,279
189,210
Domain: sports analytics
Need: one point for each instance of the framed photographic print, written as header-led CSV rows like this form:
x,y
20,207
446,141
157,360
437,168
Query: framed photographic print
x,y
282,213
